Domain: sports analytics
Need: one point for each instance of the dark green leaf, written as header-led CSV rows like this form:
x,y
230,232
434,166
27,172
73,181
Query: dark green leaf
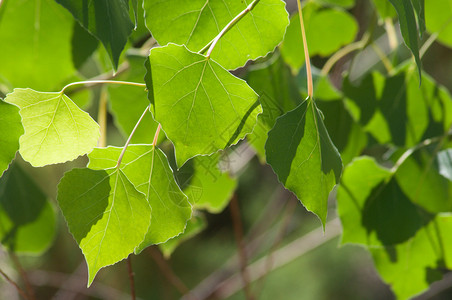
x,y
408,25
27,219
202,107
303,156
107,20
83,45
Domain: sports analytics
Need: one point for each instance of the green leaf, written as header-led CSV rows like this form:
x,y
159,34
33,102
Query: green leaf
x,y
194,226
28,222
303,156
83,45
106,215
371,205
107,20
421,181
12,129
195,23
438,15
36,44
201,106
396,110
148,170
278,93
56,130
326,31
410,268
127,103
445,163
206,186
408,26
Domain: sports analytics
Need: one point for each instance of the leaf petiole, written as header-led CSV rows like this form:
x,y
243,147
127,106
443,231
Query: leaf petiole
x,y
93,82
118,164
211,45
306,52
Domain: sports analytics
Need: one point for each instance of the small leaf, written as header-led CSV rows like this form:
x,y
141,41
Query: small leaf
x,y
438,15
56,130
408,26
27,218
11,130
107,20
194,226
148,170
303,156
201,106
106,215
195,23
445,163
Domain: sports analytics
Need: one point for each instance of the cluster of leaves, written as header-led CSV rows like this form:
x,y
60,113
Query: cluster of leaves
x,y
397,203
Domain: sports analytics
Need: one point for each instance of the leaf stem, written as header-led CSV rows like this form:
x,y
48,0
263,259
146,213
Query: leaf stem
x,y
102,118
19,290
23,274
156,136
211,45
306,53
130,137
92,82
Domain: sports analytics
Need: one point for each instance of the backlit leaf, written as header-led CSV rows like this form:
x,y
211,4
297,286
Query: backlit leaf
x,y
201,106
438,15
195,23
303,156
11,130
106,215
56,130
148,170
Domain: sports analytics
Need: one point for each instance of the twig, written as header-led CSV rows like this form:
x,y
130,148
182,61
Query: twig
x,y
131,279
23,274
238,233
68,289
282,256
169,274
19,290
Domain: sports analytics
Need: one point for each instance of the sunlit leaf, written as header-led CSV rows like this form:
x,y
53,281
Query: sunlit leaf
x,y
27,218
303,156
148,170
11,130
201,106
106,215
438,15
56,130
195,23
107,20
